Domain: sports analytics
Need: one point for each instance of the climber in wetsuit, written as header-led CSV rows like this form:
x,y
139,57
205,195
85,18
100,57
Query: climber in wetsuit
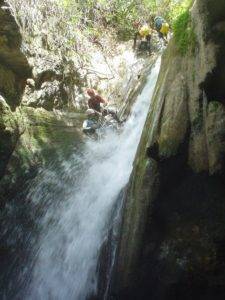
x,y
94,102
162,27
144,33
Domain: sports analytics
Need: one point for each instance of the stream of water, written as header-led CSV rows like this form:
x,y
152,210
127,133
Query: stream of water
x,y
80,198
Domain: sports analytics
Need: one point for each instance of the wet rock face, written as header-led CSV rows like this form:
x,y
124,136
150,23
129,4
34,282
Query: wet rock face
x,y
183,253
55,83
216,13
14,70
14,67
49,96
172,241
213,84
9,134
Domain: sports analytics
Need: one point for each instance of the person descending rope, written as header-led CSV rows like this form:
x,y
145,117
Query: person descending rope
x,y
162,27
92,122
144,34
94,102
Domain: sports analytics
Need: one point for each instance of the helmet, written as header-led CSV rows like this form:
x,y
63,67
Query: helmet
x,y
90,112
136,24
111,110
157,17
90,92
145,30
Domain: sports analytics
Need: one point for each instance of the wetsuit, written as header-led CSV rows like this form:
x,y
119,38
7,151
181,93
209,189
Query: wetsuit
x,y
144,32
162,27
94,102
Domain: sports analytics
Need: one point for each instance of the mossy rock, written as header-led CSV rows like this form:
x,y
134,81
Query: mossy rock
x,y
214,106
184,34
7,82
168,147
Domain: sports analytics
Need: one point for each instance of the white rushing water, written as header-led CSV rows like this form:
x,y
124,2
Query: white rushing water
x,y
74,229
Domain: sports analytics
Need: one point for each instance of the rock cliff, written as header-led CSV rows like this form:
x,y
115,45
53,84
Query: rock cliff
x,y
14,70
30,136
43,76
172,238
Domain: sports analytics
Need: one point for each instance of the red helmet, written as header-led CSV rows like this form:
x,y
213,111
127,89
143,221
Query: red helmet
x,y
136,24
90,92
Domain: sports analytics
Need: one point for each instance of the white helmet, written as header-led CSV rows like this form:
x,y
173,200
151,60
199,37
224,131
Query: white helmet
x,y
90,112
112,109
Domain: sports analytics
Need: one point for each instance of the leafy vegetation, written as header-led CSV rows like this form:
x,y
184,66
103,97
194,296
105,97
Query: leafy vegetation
x,y
67,24
183,29
120,15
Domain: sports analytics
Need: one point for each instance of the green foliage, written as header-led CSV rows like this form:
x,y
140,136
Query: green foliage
x,y
177,8
184,34
122,17
69,22
96,15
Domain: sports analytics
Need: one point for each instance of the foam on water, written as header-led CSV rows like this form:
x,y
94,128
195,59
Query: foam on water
x,y
86,191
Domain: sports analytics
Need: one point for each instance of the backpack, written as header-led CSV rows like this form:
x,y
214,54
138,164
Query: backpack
x,y
159,22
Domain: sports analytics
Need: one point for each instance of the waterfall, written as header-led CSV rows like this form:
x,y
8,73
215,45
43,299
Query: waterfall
x,y
83,194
